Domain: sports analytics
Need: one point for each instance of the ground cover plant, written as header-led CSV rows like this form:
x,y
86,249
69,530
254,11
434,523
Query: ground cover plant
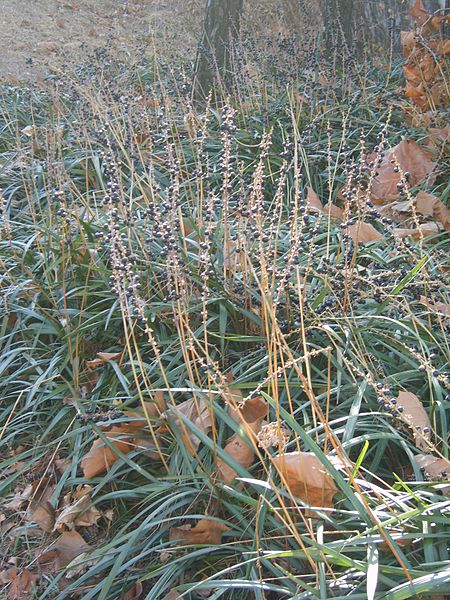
x,y
224,328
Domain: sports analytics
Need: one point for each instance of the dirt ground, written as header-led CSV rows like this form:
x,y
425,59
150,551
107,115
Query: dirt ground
x,y
38,36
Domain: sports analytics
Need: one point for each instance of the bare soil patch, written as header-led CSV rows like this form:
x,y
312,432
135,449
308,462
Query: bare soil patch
x,y
38,36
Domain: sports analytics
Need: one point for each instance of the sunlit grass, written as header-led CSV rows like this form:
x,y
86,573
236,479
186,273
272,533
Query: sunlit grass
x,y
205,261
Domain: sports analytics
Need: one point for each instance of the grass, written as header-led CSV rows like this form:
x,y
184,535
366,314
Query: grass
x,y
205,261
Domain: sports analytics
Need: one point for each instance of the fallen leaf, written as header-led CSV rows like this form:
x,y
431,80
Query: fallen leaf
x,y
314,203
79,510
335,212
79,565
313,200
364,233
412,74
445,48
19,499
426,66
323,80
62,464
437,469
408,42
103,358
431,206
172,595
109,514
102,457
70,544
307,479
14,468
415,416
424,205
417,94
198,412
418,13
231,396
252,410
63,551
411,159
252,414
123,437
29,130
205,532
40,510
419,119
435,306
21,583
239,450
439,94
437,21
423,231
437,136
135,592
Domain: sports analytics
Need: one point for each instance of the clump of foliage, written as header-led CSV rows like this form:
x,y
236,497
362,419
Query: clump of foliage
x,y
224,336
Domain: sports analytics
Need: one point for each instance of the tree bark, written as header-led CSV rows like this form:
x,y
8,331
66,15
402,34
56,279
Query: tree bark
x,y
339,21
214,68
383,21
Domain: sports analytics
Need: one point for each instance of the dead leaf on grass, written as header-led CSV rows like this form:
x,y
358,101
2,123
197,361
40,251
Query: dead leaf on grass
x,y
172,595
251,416
417,94
198,412
17,502
418,13
313,200
314,203
423,231
364,233
306,478
424,205
435,306
335,212
205,532
103,358
437,469
253,409
63,551
239,450
415,416
438,136
40,510
123,437
430,205
408,42
29,130
411,159
135,592
21,583
79,510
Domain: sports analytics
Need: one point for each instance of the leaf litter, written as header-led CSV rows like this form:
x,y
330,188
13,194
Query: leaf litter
x,y
205,532
306,478
123,437
251,417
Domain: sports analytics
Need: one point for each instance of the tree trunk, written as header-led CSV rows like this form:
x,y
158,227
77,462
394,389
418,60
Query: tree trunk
x,y
214,69
339,22
384,20
346,16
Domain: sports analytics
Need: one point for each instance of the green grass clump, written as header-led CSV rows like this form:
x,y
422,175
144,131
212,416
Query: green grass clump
x,y
182,238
